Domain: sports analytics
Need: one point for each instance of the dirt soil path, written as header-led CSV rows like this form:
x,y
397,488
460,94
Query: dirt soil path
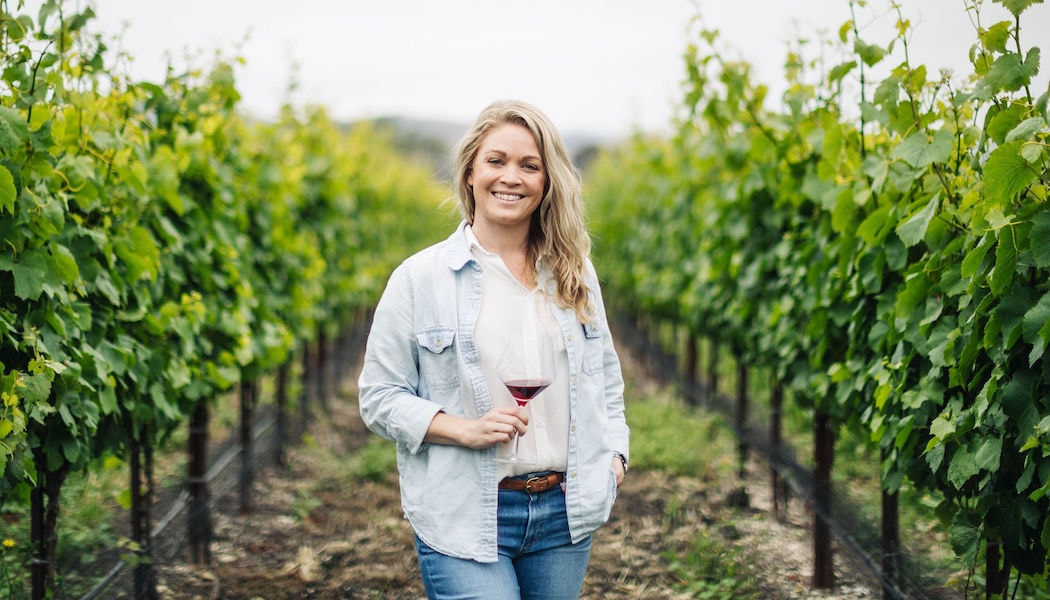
x,y
309,538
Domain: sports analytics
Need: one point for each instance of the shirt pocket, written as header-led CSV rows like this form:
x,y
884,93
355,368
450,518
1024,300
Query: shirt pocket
x,y
593,351
438,369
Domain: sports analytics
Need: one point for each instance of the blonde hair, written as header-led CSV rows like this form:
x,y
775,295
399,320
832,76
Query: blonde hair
x,y
558,233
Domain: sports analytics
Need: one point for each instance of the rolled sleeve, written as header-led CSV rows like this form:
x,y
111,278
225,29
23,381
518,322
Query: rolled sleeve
x,y
389,402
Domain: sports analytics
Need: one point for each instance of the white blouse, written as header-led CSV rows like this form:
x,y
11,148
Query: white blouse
x,y
508,309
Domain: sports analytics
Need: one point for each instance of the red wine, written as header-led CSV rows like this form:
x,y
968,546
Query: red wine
x,y
524,390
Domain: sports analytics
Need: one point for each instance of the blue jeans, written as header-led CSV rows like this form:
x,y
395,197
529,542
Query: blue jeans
x,y
537,559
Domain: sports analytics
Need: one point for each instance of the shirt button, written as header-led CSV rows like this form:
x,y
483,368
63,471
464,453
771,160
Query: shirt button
x,y
572,473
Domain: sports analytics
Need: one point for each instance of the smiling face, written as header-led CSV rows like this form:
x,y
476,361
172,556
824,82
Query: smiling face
x,y
507,177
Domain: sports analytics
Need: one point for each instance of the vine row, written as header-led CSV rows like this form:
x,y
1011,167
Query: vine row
x,y
159,248
882,247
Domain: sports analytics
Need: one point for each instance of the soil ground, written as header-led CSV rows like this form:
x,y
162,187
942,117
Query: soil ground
x,y
311,538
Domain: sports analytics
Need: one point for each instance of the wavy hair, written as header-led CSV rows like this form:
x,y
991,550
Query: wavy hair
x,y
558,233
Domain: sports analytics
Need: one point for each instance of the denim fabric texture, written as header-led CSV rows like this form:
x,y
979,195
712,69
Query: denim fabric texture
x,y
537,559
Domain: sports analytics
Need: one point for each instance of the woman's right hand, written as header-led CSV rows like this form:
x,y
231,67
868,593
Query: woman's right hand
x,y
497,426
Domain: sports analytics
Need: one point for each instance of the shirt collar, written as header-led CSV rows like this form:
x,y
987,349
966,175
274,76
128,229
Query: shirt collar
x,y
458,254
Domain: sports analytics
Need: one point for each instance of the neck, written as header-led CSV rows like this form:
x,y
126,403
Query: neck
x,y
504,241
511,245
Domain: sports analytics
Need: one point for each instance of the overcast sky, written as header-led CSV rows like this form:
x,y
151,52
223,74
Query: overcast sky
x,y
596,66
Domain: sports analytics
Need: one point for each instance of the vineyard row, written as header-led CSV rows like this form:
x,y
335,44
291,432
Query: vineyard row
x,y
882,247
159,249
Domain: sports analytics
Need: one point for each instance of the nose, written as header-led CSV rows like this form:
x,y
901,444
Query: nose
x,y
510,176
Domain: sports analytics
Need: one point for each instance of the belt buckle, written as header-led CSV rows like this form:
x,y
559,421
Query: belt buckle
x,y
537,481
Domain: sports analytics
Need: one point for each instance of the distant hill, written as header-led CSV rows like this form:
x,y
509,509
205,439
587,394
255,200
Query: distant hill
x,y
434,141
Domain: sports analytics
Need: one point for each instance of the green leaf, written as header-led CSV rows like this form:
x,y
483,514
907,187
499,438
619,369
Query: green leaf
x,y
1006,173
139,252
962,468
1031,152
8,193
941,428
869,53
912,230
64,263
1016,7
1036,327
975,257
1026,129
30,274
874,227
918,150
995,37
1039,239
1005,261
841,70
13,129
1001,121
988,454
1008,74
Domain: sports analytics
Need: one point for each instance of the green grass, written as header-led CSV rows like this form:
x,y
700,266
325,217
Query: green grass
x,y
670,437
667,435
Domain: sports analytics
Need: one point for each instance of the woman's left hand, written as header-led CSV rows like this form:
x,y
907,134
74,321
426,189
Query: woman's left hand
x,y
617,467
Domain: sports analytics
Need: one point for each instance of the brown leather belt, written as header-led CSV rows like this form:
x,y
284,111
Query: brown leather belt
x,y
533,485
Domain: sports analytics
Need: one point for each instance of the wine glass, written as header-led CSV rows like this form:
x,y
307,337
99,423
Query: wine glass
x,y
526,368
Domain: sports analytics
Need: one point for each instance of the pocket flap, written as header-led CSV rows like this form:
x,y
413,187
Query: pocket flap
x,y
592,330
436,339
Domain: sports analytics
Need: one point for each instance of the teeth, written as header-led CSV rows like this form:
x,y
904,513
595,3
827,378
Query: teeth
x,y
508,197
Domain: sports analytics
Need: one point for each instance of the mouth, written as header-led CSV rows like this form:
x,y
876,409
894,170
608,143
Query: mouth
x,y
507,197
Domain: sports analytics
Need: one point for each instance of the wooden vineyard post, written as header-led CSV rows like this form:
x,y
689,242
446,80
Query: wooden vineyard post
x,y
305,387
891,541
45,501
281,393
199,529
247,474
776,440
994,571
824,452
712,372
691,359
740,418
322,368
143,575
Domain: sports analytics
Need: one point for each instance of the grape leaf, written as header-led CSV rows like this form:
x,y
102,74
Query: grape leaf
x,y
1005,261
1031,152
8,193
1009,73
988,454
1039,239
962,468
1026,129
13,129
913,229
1016,7
918,150
1006,173
30,274
995,37
1036,327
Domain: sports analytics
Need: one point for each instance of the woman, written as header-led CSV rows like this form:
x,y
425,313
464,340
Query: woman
x,y
487,528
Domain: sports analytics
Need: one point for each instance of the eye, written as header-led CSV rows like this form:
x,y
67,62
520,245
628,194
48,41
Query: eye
x,y
495,161
532,167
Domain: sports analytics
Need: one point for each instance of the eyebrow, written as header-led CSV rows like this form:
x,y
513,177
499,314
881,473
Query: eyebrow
x,y
504,153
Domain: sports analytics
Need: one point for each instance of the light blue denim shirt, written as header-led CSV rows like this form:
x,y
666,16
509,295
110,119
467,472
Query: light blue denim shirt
x,y
421,359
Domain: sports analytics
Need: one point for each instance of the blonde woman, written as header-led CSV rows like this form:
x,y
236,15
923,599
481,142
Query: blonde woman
x,y
515,275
